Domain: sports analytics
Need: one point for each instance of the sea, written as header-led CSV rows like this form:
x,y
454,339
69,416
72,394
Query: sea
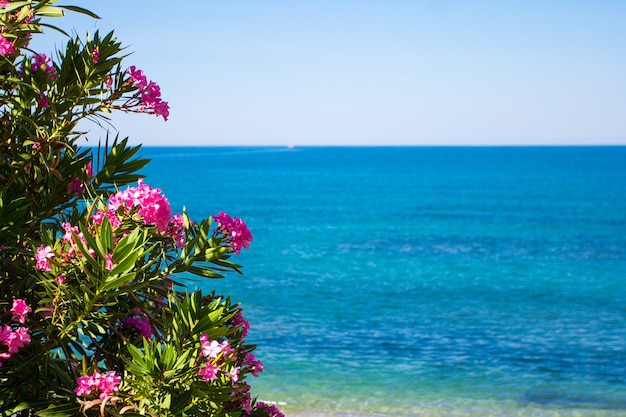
x,y
422,281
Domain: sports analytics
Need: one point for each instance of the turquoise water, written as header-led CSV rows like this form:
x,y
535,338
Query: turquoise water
x,y
424,281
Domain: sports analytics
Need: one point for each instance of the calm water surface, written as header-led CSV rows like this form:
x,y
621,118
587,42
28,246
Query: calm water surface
x,y
424,281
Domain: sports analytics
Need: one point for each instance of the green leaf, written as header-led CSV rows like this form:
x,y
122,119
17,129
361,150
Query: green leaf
x,y
50,11
81,10
136,353
106,235
117,281
62,410
204,272
91,242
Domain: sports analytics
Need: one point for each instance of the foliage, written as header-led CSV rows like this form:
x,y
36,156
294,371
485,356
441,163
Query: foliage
x,y
93,319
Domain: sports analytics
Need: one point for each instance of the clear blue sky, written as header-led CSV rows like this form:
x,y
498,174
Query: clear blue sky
x,y
431,72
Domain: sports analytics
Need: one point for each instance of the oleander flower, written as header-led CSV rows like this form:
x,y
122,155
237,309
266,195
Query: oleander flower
x,y
235,230
147,202
150,93
240,321
234,375
140,324
42,62
212,348
43,101
69,238
109,265
13,339
6,46
84,385
176,230
272,410
138,77
255,365
44,253
209,372
76,186
105,384
20,310
243,399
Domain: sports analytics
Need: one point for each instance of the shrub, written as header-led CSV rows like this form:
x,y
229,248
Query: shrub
x,y
94,318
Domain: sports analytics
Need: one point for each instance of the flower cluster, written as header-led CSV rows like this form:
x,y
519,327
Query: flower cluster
x,y
43,256
6,46
234,230
20,311
213,349
15,338
77,186
147,205
42,62
68,252
139,324
271,410
150,93
240,321
223,358
103,384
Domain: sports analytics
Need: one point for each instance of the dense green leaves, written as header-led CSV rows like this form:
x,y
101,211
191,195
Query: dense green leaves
x,y
93,317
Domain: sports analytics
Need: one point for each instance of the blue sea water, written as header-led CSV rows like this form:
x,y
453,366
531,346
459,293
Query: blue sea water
x,y
423,281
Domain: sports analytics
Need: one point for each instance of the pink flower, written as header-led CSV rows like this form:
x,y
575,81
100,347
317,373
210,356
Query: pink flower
x,y
140,324
20,310
234,375
6,46
76,186
235,231
41,61
209,372
5,333
43,254
84,385
14,340
37,145
69,237
4,3
212,348
89,170
61,279
162,108
272,410
109,262
147,202
96,55
240,321
43,101
137,77
244,400
256,367
176,231
150,93
107,384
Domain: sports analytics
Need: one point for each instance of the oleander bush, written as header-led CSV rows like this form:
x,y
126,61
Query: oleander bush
x,y
95,318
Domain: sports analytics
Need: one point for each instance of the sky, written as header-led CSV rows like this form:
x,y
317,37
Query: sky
x,y
387,72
